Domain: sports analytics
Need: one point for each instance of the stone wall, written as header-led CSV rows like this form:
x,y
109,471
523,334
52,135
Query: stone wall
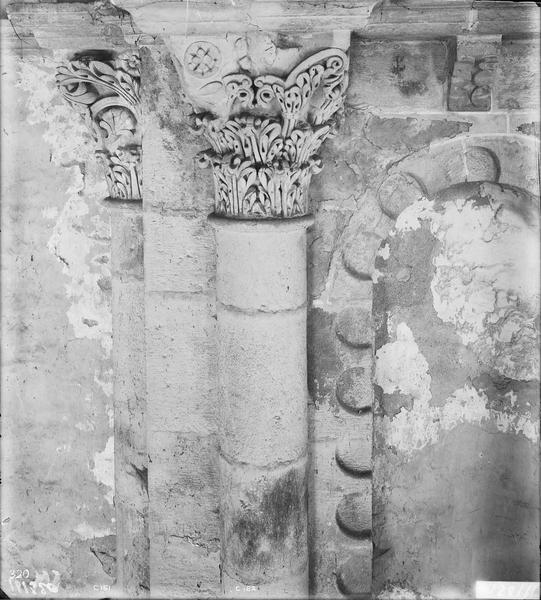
x,y
57,382
397,143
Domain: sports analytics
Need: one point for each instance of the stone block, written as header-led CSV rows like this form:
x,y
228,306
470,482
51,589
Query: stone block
x,y
265,527
261,266
126,241
517,85
181,362
179,253
400,75
263,395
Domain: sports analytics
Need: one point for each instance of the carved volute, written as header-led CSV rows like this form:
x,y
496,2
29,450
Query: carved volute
x,y
105,88
264,129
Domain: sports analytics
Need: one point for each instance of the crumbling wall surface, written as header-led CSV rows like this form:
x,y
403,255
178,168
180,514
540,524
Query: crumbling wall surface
x,y
398,143
57,439
457,371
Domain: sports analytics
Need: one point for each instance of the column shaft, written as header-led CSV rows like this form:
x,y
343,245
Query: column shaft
x,y
131,496
261,292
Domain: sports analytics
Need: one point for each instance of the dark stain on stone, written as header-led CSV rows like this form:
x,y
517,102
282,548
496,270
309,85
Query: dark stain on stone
x,y
104,549
280,516
407,87
411,253
409,134
397,65
411,87
324,363
142,475
392,404
508,395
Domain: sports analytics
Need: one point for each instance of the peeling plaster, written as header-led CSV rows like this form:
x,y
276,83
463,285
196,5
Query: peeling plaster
x,y
103,469
87,532
486,280
76,236
71,244
401,367
65,132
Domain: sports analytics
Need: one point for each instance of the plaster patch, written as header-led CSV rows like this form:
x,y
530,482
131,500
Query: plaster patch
x,y
486,283
401,367
76,233
384,252
86,531
412,430
71,243
103,469
410,218
65,132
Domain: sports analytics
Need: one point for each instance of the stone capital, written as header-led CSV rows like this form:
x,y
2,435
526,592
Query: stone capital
x,y
104,87
265,102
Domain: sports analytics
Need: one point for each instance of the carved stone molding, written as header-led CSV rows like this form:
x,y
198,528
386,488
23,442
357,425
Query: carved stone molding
x,y
105,88
473,73
264,154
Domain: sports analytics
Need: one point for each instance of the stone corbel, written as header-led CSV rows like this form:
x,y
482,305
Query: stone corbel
x,y
470,88
105,88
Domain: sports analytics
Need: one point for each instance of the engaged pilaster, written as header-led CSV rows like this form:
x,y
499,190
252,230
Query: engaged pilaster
x,y
265,111
105,88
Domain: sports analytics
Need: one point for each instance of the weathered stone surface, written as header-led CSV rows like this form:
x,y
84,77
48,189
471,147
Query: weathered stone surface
x,y
264,527
262,414
397,192
354,327
518,78
261,266
184,507
57,405
180,253
400,75
407,134
354,455
359,255
481,164
181,363
354,389
436,401
354,576
354,511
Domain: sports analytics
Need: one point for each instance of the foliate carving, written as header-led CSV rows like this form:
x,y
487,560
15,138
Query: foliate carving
x,y
263,156
473,75
107,93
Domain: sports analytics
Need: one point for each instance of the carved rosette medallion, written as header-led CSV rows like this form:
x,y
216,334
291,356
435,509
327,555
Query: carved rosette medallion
x,y
264,154
106,91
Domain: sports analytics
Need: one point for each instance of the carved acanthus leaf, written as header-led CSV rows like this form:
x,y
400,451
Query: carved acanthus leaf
x,y
263,156
107,93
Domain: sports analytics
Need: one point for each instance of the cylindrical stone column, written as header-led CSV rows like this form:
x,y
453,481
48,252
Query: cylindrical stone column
x,y
261,293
